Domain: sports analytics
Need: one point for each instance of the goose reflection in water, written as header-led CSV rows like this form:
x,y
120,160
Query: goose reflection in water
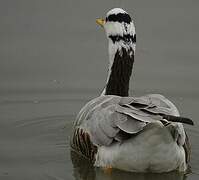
x,y
84,170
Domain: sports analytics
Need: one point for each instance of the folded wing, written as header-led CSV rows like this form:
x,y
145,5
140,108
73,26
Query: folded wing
x,y
117,119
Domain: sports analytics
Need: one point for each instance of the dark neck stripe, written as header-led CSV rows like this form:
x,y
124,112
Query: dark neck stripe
x,y
125,38
118,83
120,17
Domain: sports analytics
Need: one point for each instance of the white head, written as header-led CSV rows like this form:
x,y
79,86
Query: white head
x,y
119,28
120,31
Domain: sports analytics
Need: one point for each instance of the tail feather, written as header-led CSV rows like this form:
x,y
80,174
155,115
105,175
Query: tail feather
x,y
177,119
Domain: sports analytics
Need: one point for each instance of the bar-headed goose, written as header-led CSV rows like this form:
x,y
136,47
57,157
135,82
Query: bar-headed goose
x,y
140,134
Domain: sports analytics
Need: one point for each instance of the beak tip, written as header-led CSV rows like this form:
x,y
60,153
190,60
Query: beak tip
x,y
100,21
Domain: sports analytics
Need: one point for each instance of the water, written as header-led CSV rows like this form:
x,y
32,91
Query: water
x,y
53,59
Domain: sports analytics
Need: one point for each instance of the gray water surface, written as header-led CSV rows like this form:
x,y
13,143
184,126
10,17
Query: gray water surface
x,y
53,59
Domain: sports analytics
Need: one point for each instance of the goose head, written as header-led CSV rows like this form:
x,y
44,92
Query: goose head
x,y
120,30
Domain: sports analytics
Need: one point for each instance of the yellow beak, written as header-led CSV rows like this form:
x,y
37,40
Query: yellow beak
x,y
100,21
